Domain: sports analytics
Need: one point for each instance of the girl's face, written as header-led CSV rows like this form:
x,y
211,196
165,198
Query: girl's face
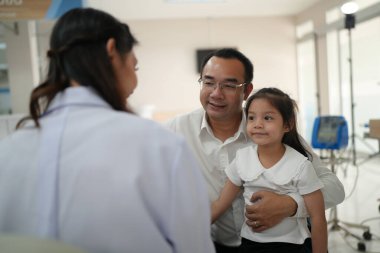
x,y
265,125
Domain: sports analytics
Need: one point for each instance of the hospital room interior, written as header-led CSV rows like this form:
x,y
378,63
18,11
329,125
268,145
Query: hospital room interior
x,y
323,55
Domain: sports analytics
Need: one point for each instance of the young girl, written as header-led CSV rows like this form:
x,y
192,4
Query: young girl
x,y
278,162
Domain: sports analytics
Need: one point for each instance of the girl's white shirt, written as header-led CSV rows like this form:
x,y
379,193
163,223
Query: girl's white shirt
x,y
291,174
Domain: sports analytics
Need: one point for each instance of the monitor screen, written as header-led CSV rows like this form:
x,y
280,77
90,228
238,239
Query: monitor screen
x,y
328,129
330,132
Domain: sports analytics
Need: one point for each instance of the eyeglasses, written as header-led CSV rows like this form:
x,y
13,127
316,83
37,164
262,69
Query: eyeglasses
x,y
226,87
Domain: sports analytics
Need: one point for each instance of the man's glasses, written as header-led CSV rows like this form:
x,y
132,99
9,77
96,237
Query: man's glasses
x,y
226,87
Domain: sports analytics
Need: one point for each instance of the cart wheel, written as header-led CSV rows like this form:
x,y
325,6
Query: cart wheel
x,y
361,246
367,235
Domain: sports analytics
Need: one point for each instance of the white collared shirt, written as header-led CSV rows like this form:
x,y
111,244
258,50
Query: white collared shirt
x,y
215,155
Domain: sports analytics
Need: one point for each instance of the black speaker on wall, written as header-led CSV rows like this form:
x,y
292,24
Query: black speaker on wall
x,y
201,54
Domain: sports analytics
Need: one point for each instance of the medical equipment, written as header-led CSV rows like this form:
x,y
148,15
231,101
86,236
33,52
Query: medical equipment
x,y
331,133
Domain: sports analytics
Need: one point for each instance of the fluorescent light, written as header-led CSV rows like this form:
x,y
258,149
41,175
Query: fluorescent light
x,y
349,8
195,1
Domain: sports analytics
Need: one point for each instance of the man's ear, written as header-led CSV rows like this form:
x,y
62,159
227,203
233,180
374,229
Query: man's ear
x,y
111,47
248,90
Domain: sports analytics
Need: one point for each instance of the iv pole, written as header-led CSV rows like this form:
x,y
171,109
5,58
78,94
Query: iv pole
x,y
349,9
349,23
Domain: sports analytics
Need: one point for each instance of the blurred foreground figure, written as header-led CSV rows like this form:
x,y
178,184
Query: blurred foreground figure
x,y
85,170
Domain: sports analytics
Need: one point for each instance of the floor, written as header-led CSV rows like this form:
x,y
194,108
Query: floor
x,y
361,206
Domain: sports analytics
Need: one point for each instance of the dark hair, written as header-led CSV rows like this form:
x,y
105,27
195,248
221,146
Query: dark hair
x,y
231,53
78,52
287,108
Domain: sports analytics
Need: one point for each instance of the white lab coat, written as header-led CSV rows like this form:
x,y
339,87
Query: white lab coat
x,y
103,180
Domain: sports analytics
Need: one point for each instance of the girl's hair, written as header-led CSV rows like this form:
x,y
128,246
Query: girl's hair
x,y
288,109
78,52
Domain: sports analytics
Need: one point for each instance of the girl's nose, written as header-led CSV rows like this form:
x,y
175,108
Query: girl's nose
x,y
257,123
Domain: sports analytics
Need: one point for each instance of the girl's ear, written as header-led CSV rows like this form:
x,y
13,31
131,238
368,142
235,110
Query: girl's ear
x,y
288,126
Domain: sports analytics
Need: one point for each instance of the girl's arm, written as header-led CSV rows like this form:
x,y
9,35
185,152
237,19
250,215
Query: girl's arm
x,y
227,196
316,208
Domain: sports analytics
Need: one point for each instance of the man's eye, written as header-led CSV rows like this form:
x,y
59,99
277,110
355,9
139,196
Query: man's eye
x,y
229,86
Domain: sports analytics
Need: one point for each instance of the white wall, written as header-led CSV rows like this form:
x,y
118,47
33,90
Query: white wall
x,y
167,56
22,61
167,63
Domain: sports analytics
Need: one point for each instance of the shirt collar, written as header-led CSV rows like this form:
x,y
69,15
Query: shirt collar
x,y
205,126
76,96
287,168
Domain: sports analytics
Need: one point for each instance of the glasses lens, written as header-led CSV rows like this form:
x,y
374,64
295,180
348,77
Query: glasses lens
x,y
227,88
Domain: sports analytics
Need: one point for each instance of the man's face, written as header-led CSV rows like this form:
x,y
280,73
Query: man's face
x,y
218,104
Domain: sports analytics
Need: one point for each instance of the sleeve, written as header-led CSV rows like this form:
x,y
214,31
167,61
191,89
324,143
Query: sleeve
x,y
233,175
333,190
189,228
307,180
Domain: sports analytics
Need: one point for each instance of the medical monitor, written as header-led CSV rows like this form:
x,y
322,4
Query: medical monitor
x,y
330,132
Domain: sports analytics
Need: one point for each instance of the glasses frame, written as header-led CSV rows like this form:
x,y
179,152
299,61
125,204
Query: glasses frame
x,y
222,85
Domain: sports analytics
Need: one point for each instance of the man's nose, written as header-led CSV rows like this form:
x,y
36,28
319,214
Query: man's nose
x,y
217,89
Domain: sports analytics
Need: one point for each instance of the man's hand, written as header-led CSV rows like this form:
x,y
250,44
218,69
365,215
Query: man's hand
x,y
268,209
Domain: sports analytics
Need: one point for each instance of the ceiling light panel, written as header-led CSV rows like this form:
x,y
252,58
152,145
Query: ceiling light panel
x,y
195,1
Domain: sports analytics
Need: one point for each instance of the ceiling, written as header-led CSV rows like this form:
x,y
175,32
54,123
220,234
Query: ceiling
x,y
168,9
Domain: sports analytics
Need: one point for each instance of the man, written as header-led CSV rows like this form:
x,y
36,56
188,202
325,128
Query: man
x,y
217,131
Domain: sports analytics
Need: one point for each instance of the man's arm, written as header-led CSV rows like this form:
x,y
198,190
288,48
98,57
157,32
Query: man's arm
x,y
333,190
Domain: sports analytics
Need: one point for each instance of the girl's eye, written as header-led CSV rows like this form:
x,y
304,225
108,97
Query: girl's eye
x,y
268,117
250,117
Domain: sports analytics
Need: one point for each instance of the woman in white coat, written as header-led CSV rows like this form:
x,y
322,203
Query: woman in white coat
x,y
84,170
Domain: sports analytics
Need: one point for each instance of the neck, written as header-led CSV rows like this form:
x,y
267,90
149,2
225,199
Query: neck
x,y
224,129
74,83
270,155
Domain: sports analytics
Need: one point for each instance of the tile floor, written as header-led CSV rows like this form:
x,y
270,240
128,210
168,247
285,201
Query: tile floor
x,y
361,206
